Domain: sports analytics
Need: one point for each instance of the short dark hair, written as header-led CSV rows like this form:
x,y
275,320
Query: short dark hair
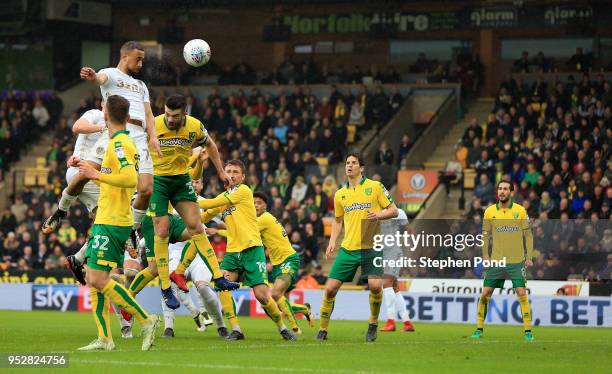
x,y
238,163
357,156
117,108
505,181
176,101
261,195
131,45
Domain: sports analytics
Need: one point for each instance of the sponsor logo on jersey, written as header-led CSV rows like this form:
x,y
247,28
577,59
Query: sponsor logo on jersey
x,y
507,228
357,206
105,170
174,142
228,212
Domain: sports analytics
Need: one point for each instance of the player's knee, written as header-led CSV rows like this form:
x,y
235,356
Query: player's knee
x,y
521,291
196,229
201,286
276,293
130,273
330,292
145,192
261,294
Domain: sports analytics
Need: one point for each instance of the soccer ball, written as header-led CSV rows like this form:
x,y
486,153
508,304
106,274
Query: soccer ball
x,y
196,52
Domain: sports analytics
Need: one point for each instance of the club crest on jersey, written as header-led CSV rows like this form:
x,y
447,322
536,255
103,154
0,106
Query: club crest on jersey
x,y
368,191
515,215
192,136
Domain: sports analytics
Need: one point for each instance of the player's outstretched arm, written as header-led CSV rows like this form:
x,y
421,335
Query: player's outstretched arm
x,y
126,178
209,214
90,74
215,158
83,126
150,121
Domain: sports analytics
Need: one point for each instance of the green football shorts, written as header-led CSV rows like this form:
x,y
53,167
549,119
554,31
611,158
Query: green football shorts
x,y
170,189
177,226
289,266
106,248
250,263
346,264
496,276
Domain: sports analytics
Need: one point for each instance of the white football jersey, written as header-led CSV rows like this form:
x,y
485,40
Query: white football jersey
x,y
85,142
134,90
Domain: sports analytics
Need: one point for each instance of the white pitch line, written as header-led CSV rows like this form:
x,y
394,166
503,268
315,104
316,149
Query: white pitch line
x,y
224,367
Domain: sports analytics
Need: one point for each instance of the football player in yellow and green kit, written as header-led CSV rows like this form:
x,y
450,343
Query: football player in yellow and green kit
x,y
118,178
178,133
284,259
245,252
359,204
507,225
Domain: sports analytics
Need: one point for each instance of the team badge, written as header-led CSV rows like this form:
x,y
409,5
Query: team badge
x,y
515,215
192,136
368,191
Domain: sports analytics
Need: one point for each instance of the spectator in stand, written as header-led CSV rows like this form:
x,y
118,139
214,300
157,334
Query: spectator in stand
x,y
384,156
522,64
484,190
452,172
580,62
405,147
318,275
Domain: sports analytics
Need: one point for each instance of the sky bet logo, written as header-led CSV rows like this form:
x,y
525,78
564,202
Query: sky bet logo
x,y
54,297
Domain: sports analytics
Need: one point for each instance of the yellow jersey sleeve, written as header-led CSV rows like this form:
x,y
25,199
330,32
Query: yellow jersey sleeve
x,y
338,208
202,135
238,194
383,196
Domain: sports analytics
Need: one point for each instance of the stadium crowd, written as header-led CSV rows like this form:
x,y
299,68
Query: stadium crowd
x,y
553,144
280,139
160,71
24,117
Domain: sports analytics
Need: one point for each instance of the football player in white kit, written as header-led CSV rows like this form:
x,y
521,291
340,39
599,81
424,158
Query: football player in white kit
x,y
90,127
118,81
392,297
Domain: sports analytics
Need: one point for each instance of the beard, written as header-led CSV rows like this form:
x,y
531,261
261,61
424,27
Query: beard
x,y
504,200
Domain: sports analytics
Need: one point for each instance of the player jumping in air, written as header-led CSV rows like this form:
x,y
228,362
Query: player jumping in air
x,y
178,133
245,253
507,225
359,204
118,178
118,81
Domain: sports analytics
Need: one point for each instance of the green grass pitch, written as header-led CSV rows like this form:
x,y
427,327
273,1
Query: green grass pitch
x,y
432,348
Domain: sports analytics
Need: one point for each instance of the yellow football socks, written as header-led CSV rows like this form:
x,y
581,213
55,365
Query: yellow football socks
x,y
121,297
525,311
161,259
203,246
189,253
229,309
273,312
140,281
285,307
99,309
327,307
375,303
483,304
